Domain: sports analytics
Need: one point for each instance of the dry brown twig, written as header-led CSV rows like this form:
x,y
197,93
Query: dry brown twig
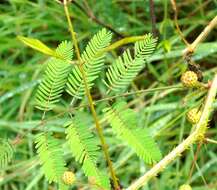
x,y
173,2
89,13
153,19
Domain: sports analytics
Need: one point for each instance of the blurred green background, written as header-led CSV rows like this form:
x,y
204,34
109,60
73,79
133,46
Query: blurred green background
x,y
163,112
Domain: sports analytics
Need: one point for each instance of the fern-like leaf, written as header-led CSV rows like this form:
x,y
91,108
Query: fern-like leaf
x,y
121,120
51,157
55,78
6,153
125,68
85,148
93,62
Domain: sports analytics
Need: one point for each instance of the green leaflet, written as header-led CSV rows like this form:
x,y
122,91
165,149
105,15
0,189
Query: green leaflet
x,y
51,157
55,78
121,119
6,153
121,73
93,62
37,45
85,148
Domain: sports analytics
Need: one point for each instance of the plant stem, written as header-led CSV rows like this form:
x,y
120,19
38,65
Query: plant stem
x,y
123,41
153,18
91,104
141,91
91,15
178,87
211,141
202,36
196,135
194,162
111,47
173,2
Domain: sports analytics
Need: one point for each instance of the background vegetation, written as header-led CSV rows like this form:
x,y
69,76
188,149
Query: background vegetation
x,y
161,111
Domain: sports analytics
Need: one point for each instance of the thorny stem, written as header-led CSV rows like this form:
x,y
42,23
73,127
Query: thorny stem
x,y
196,135
201,37
91,104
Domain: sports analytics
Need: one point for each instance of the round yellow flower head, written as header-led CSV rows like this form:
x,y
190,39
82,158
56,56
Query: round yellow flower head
x,y
68,178
189,79
185,187
193,116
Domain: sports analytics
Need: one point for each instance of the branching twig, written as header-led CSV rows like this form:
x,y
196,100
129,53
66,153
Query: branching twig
x,y
95,19
197,134
89,13
201,37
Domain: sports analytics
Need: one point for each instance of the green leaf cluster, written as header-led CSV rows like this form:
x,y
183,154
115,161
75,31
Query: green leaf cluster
x,y
85,148
51,157
61,75
55,78
124,124
121,73
93,63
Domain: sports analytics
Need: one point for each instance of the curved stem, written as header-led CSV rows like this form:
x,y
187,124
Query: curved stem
x,y
123,41
90,100
178,87
173,2
196,135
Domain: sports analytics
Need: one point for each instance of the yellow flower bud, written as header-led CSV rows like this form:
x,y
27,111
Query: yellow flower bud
x,y
185,187
189,79
68,178
193,116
